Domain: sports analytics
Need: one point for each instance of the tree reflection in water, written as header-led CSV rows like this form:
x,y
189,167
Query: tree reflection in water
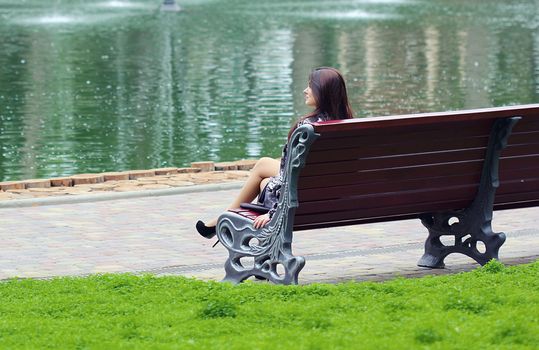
x,y
103,87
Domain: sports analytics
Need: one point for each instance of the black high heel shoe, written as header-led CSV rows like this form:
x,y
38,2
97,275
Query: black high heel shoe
x,y
206,231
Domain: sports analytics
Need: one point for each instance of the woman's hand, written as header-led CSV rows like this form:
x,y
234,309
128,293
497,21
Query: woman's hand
x,y
261,221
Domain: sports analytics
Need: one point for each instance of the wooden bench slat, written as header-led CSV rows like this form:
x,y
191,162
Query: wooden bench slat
x,y
517,188
422,160
376,150
451,138
514,150
520,174
514,198
410,172
245,213
463,129
529,163
309,222
524,137
455,130
388,137
318,181
398,161
333,182
530,140
389,174
532,202
526,125
312,226
404,212
511,194
389,197
357,169
528,111
375,214
326,191
333,192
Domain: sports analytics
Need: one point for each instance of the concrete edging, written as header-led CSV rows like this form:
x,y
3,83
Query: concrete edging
x,y
72,199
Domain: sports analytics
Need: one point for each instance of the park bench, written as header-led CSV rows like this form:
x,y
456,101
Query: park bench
x,y
443,168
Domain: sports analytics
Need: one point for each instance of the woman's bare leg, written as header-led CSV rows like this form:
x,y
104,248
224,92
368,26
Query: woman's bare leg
x,y
263,169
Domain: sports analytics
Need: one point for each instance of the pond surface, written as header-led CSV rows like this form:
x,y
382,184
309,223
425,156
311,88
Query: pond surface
x,y
93,86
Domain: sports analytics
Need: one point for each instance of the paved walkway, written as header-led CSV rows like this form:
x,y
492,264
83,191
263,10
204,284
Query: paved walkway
x,y
156,234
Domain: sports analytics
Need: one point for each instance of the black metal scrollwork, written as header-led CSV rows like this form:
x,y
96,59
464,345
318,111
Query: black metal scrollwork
x,y
269,248
471,227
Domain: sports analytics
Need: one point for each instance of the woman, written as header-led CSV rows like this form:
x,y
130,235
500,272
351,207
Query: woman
x,y
326,93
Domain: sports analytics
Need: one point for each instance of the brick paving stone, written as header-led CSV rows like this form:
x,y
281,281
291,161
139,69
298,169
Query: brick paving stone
x,y
154,179
203,166
135,174
12,185
77,190
98,183
17,191
189,170
199,181
84,179
7,195
240,174
127,188
246,164
43,190
181,177
61,182
115,176
214,175
165,171
226,166
37,183
103,186
40,195
127,182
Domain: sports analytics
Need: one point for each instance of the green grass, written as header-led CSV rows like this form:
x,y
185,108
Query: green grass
x,y
493,307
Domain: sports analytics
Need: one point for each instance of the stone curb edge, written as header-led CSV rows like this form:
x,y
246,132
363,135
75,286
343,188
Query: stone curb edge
x,y
413,272
36,202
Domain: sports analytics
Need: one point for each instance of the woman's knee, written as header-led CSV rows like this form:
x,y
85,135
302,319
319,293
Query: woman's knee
x,y
264,161
266,167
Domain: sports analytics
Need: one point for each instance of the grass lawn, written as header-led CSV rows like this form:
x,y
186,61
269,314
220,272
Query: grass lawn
x,y
493,307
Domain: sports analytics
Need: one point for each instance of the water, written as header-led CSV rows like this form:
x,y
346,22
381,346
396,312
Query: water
x,y
92,86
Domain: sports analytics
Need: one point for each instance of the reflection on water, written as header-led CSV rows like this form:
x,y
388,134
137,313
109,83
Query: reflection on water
x,y
124,5
342,15
62,20
112,85
53,19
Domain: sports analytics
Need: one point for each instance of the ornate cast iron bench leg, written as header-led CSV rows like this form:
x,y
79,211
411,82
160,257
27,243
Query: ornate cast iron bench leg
x,y
472,225
268,249
264,249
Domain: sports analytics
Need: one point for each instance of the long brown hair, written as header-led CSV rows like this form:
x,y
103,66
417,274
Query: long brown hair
x,y
329,92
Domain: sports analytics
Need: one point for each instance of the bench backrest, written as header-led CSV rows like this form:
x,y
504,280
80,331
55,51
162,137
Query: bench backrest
x,y
390,168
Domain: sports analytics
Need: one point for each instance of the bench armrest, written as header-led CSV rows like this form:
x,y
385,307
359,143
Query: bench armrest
x,y
270,245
